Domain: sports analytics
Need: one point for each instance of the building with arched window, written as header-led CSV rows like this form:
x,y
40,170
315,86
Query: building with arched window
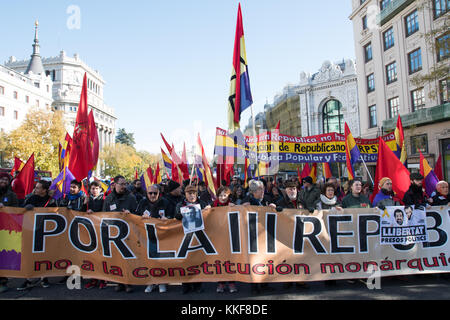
x,y
319,103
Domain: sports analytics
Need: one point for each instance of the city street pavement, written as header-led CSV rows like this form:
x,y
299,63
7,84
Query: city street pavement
x,y
419,287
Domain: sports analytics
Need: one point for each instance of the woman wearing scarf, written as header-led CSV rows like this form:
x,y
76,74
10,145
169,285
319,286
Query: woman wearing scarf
x,y
223,200
328,198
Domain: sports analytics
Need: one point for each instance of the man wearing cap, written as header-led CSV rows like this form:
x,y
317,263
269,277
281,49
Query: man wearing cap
x,y
173,197
415,196
290,198
309,196
385,197
191,198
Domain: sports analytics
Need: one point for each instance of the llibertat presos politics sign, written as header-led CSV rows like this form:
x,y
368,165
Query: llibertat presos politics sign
x,y
241,243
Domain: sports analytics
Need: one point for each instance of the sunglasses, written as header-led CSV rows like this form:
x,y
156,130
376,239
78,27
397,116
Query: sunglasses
x,y
153,193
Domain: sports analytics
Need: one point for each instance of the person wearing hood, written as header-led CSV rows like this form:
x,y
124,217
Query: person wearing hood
x,y
191,198
75,199
385,197
173,196
120,200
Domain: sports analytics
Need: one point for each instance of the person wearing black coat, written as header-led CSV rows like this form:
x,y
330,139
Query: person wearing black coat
x,y
153,204
39,199
173,196
7,199
120,200
441,198
290,198
191,197
415,195
75,199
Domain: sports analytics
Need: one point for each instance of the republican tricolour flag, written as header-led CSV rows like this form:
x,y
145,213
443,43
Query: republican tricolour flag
x,y
326,170
208,177
352,152
430,179
240,95
400,141
61,184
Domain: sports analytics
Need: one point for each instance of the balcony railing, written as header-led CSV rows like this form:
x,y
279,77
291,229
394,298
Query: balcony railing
x,y
420,117
391,10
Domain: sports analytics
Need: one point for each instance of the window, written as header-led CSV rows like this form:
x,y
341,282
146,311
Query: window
x,y
364,22
372,116
393,107
368,52
418,99
370,82
362,1
2,111
440,7
37,103
419,143
333,118
442,47
391,72
444,91
388,37
384,4
16,114
48,88
2,90
27,99
415,61
15,95
412,23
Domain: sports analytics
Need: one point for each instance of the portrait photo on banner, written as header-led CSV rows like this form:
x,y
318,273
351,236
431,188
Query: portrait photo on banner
x,y
192,218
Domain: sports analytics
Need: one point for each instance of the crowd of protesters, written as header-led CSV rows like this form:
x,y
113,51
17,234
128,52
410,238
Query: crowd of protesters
x,y
164,201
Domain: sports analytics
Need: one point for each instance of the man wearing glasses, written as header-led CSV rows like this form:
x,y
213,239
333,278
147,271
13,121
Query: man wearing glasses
x,y
120,199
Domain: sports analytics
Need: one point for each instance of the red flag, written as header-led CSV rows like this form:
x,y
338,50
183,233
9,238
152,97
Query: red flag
x,y
306,172
278,126
175,174
80,157
136,175
24,183
177,160
326,170
388,165
150,175
17,165
438,168
157,177
93,135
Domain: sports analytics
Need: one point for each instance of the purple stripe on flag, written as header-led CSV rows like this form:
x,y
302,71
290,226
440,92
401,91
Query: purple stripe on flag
x,y
431,181
10,260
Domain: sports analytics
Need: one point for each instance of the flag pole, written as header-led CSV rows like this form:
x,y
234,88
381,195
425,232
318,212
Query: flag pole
x,y
367,169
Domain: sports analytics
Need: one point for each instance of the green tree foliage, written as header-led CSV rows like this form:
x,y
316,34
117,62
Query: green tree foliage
x,y
125,138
